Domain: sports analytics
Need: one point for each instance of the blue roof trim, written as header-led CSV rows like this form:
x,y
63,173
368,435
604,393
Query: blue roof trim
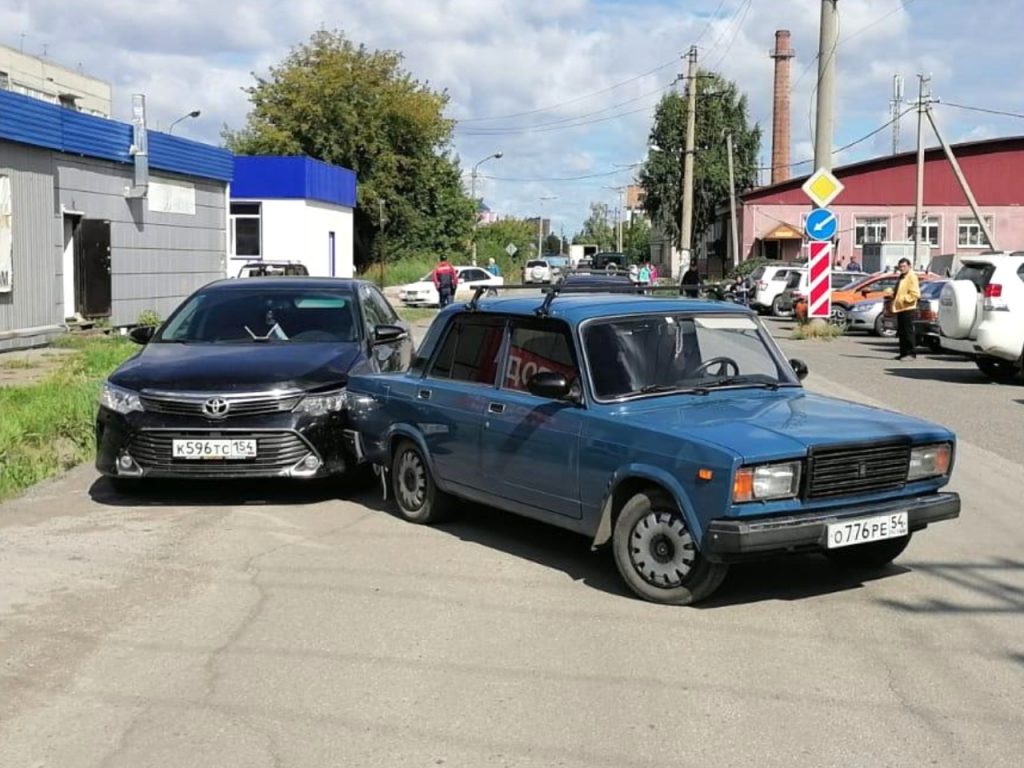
x,y
293,178
26,120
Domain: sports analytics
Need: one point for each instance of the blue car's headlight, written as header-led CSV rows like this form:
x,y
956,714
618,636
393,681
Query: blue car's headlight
x,y
767,481
323,403
119,399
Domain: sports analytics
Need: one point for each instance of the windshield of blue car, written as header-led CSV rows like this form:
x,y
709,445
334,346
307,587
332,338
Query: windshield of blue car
x,y
262,316
658,354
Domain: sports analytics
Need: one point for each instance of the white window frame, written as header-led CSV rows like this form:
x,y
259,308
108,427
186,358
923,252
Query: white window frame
x,y
856,225
930,220
233,217
968,223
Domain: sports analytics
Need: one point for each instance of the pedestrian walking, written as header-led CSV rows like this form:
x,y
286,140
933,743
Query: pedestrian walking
x,y
644,275
493,268
446,280
691,282
904,302
654,272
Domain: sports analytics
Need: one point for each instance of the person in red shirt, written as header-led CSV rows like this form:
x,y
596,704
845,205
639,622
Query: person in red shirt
x,y
446,280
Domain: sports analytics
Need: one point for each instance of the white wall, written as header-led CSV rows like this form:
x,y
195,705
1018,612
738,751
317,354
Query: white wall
x,y
297,230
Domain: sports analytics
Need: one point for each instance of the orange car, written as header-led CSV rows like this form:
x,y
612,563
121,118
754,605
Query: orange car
x,y
872,287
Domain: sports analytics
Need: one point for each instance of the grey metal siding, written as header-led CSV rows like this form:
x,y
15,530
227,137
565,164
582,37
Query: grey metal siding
x,y
35,298
157,259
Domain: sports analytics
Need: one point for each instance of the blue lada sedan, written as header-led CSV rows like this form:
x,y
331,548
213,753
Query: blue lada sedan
x,y
673,428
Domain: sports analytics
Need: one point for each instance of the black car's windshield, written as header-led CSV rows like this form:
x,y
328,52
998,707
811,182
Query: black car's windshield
x,y
653,354
262,316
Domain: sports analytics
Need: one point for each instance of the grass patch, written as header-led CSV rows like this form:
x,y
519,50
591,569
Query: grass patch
x,y
414,314
47,427
18,363
407,270
816,330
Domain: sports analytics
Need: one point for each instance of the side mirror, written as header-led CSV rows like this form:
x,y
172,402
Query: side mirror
x,y
385,333
865,291
799,368
549,385
142,334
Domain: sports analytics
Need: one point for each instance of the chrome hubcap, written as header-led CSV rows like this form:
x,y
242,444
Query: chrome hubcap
x,y
661,549
411,482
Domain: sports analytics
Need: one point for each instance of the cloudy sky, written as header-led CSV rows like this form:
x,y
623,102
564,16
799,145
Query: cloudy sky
x,y
565,88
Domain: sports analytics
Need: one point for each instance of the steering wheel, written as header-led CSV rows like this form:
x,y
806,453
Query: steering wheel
x,y
723,363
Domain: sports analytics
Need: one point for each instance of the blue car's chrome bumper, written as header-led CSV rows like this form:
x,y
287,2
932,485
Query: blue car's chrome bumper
x,y
730,539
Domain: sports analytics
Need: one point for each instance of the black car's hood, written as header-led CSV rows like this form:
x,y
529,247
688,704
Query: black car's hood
x,y
238,367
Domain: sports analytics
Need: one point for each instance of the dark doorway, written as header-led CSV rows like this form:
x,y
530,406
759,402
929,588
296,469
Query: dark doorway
x,y
92,268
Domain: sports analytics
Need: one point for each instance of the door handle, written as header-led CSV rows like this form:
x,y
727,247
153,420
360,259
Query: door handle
x,y
496,408
424,394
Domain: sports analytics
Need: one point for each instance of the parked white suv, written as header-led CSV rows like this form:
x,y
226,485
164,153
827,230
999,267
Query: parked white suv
x,y
537,271
769,281
981,313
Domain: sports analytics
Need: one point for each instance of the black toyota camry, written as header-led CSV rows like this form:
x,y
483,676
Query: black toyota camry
x,y
247,379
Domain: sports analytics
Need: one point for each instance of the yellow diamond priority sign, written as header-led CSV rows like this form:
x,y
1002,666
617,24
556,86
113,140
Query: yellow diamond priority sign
x,y
822,187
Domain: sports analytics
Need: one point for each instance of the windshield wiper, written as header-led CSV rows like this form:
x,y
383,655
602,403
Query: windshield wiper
x,y
651,389
730,381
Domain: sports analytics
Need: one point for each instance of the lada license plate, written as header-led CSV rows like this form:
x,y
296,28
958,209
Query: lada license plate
x,y
213,449
867,529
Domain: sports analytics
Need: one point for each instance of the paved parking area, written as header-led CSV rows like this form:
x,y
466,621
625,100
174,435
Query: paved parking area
x,y
282,625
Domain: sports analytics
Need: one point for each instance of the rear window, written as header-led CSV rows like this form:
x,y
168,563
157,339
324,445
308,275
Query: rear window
x,y
979,274
536,263
932,289
757,274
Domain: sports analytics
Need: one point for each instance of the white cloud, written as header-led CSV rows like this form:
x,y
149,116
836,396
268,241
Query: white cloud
x,y
497,57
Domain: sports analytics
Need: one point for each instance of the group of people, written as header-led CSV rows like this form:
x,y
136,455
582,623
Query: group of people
x,y
644,273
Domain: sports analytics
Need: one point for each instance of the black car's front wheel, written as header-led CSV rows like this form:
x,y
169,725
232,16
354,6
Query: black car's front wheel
x,y
418,497
657,555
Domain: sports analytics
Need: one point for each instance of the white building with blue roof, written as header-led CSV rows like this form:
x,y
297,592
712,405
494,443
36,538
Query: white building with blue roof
x,y
293,209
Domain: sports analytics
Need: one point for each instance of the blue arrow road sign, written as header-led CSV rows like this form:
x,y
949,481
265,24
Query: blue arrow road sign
x,y
821,224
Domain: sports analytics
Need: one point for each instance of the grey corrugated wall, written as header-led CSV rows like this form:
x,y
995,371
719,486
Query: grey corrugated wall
x,y
157,259
35,298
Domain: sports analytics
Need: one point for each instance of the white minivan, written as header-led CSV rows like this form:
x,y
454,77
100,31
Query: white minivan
x,y
981,313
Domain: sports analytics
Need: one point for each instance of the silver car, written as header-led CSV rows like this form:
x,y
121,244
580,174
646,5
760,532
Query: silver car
x,y
867,316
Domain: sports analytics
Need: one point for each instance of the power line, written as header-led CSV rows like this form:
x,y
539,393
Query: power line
x,y
736,32
981,109
561,121
560,104
600,175
549,129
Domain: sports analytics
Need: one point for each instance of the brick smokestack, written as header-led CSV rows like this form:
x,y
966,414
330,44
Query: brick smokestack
x,y
780,110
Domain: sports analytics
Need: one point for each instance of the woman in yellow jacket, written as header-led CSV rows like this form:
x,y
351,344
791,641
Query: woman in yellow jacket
x,y
904,303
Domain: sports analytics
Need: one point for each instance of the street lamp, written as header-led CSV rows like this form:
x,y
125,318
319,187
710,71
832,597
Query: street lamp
x,y
618,217
472,194
194,113
540,223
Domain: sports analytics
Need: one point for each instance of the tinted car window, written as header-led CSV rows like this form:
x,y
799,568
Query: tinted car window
x,y
884,284
535,347
794,280
470,351
536,263
472,275
979,274
932,289
381,306
258,316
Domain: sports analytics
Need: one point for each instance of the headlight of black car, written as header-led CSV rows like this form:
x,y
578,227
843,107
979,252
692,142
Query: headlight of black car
x,y
322,403
119,399
766,482
930,461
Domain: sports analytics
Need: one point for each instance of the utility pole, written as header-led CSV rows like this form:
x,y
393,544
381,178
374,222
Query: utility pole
x,y
540,225
686,225
896,105
824,124
923,103
380,238
618,217
732,204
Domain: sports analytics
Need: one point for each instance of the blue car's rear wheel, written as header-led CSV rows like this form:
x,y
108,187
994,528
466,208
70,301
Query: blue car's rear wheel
x,y
419,499
657,555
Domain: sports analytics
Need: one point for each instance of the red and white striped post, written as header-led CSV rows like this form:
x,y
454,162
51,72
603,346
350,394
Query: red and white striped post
x,y
819,302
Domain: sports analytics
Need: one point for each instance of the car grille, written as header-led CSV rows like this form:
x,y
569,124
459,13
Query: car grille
x,y
857,469
191,404
276,453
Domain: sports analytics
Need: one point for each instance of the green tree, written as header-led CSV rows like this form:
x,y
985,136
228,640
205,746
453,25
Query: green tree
x,y
348,105
493,239
636,240
721,109
597,229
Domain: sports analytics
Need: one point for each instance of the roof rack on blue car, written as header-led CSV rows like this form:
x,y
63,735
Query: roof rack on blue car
x,y
554,291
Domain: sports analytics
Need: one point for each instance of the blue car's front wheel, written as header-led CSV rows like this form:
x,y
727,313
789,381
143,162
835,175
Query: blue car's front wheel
x,y
656,554
419,499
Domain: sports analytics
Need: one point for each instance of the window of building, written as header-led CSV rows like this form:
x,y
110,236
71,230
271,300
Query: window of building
x,y
470,351
35,93
246,239
930,227
539,345
5,81
68,101
969,233
870,229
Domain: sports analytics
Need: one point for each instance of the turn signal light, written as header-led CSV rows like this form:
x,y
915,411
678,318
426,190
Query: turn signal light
x,y
743,485
705,474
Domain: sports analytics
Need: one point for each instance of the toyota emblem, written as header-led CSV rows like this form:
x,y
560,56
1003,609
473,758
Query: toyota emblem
x,y
216,408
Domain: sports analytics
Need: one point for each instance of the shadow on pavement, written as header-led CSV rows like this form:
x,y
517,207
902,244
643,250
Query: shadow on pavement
x,y
949,375
225,493
993,586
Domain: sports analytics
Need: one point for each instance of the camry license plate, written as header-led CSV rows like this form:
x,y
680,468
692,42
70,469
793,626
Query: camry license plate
x,y
213,449
867,529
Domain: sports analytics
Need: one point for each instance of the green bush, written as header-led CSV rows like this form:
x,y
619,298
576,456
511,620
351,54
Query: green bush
x,y
148,317
745,268
816,330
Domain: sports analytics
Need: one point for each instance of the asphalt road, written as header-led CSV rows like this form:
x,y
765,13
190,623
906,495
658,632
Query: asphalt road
x,y
278,625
